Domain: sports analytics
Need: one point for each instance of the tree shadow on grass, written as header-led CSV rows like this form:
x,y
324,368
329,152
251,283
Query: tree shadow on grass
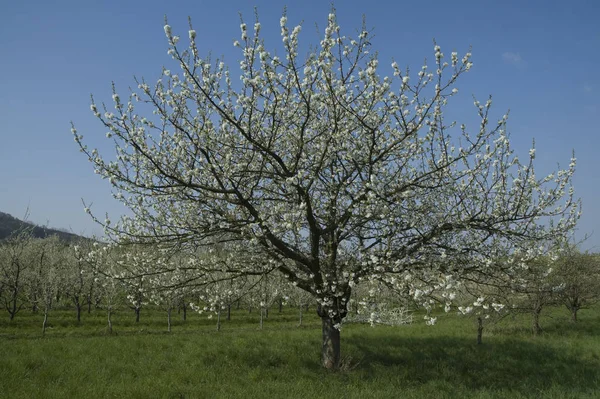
x,y
557,326
520,366
569,328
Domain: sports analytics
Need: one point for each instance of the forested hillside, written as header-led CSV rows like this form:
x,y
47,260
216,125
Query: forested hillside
x,y
10,224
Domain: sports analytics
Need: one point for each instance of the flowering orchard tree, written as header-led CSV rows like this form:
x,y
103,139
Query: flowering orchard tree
x,y
299,298
52,260
219,294
334,172
165,294
522,284
108,288
578,275
80,276
15,265
134,267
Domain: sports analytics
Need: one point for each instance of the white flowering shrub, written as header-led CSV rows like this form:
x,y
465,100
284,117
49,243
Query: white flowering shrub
x,y
329,168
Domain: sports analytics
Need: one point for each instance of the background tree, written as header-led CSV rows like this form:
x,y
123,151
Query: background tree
x,y
267,291
534,289
321,165
165,293
108,287
36,257
224,291
79,276
217,297
135,266
14,265
577,275
526,285
299,298
485,303
53,276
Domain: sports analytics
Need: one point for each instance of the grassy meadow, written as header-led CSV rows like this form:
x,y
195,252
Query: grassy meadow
x,y
142,360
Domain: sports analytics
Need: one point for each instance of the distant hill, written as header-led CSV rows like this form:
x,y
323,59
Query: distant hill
x,y
10,224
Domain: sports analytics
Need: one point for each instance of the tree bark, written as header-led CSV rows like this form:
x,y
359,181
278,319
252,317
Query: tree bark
x,y
44,323
219,319
137,314
536,320
262,311
169,319
479,330
12,310
574,315
184,308
78,306
109,311
330,351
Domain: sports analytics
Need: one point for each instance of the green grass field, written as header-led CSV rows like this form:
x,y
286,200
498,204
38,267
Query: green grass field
x,y
282,361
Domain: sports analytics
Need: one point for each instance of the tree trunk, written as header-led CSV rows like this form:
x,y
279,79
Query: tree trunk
x,y
89,304
169,319
479,330
14,296
44,323
261,317
266,312
238,305
280,305
219,319
184,308
536,320
109,311
13,305
330,351
137,314
574,315
78,308
229,312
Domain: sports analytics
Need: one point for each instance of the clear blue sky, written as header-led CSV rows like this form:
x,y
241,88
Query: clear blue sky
x,y
538,58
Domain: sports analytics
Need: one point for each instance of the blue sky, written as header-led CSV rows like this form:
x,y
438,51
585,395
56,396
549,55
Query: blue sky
x,y
538,58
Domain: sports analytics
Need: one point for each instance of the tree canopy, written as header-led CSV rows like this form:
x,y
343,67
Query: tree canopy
x,y
325,169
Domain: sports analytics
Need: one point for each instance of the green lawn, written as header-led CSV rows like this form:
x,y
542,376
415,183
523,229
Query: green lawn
x,y
282,361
